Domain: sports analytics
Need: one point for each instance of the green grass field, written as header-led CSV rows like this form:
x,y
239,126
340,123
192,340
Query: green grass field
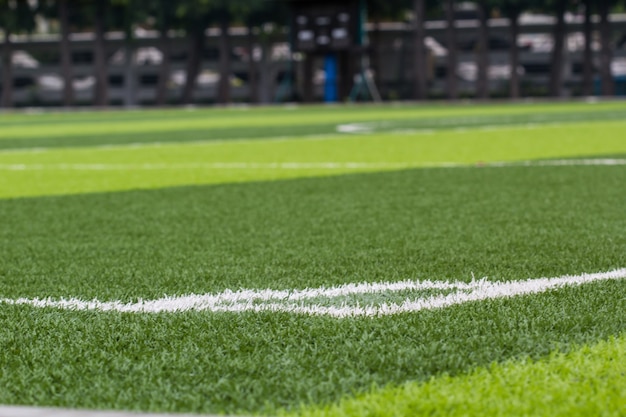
x,y
346,260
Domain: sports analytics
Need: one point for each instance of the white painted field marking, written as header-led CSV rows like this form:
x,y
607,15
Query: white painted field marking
x,y
304,165
566,162
19,411
463,125
356,128
295,301
207,165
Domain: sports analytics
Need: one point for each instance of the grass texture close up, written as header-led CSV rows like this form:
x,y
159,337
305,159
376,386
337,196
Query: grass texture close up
x,y
588,381
195,261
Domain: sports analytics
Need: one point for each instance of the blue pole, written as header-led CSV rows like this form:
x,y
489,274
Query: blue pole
x,y
330,86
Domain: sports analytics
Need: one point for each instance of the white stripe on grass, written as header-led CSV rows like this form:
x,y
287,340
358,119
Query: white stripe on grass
x,y
204,165
465,124
303,165
294,301
22,411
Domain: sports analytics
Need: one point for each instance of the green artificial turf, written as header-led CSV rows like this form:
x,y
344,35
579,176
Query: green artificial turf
x,y
515,223
588,381
78,170
260,363
502,223
37,130
222,229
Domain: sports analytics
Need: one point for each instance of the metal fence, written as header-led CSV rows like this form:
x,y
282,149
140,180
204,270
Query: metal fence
x,y
37,80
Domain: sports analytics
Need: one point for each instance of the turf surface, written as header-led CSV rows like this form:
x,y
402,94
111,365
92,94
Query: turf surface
x,y
260,362
588,381
503,223
224,228
80,170
109,128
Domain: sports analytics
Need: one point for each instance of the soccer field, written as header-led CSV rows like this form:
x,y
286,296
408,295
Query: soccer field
x,y
343,260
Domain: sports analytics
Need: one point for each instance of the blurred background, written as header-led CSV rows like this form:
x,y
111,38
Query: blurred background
x,y
162,52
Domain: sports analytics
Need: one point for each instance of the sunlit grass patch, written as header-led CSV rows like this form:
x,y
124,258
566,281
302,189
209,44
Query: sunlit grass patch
x,y
79,170
587,381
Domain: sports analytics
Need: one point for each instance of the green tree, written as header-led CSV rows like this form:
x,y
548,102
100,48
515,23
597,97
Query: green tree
x,y
256,15
482,49
378,11
101,91
420,85
225,11
194,16
125,15
587,84
606,49
512,9
166,17
66,54
452,84
15,17
242,11
71,15
558,7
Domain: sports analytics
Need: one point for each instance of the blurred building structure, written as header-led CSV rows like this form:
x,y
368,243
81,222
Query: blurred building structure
x,y
37,80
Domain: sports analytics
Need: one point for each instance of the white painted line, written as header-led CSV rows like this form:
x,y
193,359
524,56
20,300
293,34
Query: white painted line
x,y
16,411
571,162
462,125
355,128
294,301
208,165
230,298
303,165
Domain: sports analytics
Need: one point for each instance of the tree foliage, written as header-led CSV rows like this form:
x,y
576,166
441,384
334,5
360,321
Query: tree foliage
x,y
193,17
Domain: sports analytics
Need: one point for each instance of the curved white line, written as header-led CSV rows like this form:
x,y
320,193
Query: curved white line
x,y
294,301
